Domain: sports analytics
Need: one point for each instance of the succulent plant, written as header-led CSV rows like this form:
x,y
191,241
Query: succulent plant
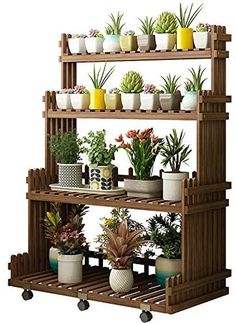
x,y
147,25
151,88
197,81
79,36
114,91
95,33
129,33
188,85
186,16
170,83
80,89
99,80
166,23
132,82
115,27
66,91
203,27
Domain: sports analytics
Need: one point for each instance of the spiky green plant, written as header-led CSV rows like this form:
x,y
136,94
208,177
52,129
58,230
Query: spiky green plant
x,y
166,23
186,16
147,25
115,26
170,83
132,82
174,152
188,85
100,77
197,78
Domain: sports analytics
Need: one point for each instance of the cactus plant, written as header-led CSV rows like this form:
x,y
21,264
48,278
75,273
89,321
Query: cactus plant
x,y
132,82
166,23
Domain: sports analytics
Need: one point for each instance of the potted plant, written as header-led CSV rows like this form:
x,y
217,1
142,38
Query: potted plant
x,y
166,25
146,41
171,98
67,149
113,31
63,98
131,86
202,36
94,42
164,232
113,99
128,41
80,98
192,87
100,156
174,153
98,79
76,43
142,150
150,97
184,32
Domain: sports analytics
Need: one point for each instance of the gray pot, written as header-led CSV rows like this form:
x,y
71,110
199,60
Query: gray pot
x,y
170,101
101,177
143,188
146,42
70,175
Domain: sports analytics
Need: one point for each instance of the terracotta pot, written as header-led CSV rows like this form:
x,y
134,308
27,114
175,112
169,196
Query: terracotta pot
x,y
143,188
166,268
121,280
146,42
128,43
70,175
113,101
172,185
170,101
165,41
70,268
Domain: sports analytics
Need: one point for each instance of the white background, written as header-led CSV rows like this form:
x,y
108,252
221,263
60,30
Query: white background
x,y
30,31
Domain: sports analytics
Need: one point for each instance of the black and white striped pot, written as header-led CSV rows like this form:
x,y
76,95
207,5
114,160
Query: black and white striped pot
x,y
70,175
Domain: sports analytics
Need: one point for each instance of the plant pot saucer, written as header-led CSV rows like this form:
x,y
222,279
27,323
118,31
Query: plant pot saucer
x,y
86,189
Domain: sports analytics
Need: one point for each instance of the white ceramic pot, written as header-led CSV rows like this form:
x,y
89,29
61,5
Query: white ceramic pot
x,y
121,280
189,101
77,45
63,101
111,43
80,100
130,101
165,41
202,39
166,268
53,259
143,188
172,185
70,268
70,175
149,101
94,44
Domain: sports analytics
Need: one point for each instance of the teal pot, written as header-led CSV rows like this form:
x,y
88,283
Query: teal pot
x,y
166,268
190,101
53,259
111,43
101,177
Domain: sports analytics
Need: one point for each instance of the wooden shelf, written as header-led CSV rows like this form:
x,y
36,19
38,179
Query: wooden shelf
x,y
95,286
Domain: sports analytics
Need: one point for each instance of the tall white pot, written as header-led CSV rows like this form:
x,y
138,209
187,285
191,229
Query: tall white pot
x,y
130,101
189,101
121,280
70,268
172,185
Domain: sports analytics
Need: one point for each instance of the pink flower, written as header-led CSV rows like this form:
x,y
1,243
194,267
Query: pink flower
x,y
154,138
120,139
64,237
143,141
132,133
125,146
71,245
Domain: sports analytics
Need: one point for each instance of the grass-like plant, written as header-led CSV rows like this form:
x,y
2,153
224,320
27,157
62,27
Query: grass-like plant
x,y
115,26
188,85
100,77
197,78
170,83
147,25
187,15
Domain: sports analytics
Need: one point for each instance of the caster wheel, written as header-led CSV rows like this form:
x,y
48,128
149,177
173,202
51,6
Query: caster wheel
x,y
83,305
27,294
145,316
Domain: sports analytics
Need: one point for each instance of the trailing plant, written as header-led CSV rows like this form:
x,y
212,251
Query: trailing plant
x,y
197,78
142,151
147,25
80,89
203,27
165,233
115,27
151,88
67,147
174,152
186,16
170,83
95,33
79,36
132,82
114,91
100,77
129,33
166,23
99,153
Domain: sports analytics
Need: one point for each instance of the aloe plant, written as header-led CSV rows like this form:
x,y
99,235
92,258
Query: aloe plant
x,y
188,85
170,83
186,16
100,78
197,78
147,25
115,27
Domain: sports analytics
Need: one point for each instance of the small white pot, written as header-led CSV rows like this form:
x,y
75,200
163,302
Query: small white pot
x,y
63,101
77,45
130,101
189,101
70,175
70,268
94,44
53,259
202,39
149,101
80,100
165,41
111,43
121,280
172,185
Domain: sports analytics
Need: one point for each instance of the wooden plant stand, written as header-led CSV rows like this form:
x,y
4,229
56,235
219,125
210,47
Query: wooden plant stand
x,y
203,205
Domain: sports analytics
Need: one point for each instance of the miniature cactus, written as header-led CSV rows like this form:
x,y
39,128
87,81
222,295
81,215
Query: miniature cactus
x,y
129,33
166,23
95,33
114,91
150,88
203,27
132,82
80,89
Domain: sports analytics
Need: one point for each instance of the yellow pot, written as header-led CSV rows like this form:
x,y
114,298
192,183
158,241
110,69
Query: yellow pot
x,y
128,43
113,101
97,99
184,38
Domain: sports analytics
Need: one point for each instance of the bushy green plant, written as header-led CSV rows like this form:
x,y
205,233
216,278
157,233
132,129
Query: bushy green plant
x,y
132,82
67,147
99,153
170,83
115,27
196,78
186,16
100,77
174,152
166,23
147,25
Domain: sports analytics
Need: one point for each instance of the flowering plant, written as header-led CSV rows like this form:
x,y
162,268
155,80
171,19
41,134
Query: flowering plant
x,y
79,36
150,88
129,33
95,33
80,89
203,27
114,91
142,150
66,91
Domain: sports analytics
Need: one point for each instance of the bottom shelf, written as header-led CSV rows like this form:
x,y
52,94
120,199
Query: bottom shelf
x,y
95,284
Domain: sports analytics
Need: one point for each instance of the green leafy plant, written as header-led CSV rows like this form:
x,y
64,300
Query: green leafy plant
x,y
115,27
165,233
166,23
100,77
197,78
66,147
147,25
170,83
187,15
188,85
132,82
174,152
99,153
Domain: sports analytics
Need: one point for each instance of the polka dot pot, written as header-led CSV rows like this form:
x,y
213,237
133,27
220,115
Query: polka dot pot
x,y
70,175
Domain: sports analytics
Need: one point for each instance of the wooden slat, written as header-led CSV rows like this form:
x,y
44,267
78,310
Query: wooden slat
x,y
207,188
